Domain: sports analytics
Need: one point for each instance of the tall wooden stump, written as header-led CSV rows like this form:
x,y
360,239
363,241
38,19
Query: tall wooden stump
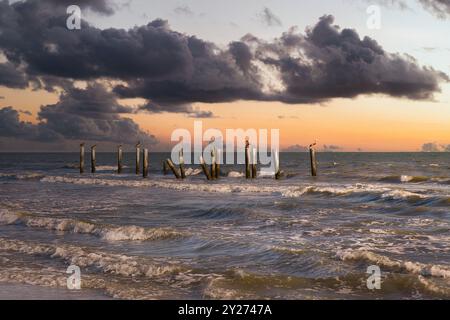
x,y
213,163
204,168
254,162
277,164
181,160
165,167
218,159
81,158
145,163
93,159
173,168
247,160
312,155
119,159
138,154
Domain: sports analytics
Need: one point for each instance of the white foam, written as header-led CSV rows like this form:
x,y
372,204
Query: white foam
x,y
384,191
86,257
107,232
235,174
408,266
193,172
406,178
22,176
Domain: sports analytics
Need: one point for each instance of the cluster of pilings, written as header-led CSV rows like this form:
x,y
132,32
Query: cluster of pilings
x,y
213,173
119,159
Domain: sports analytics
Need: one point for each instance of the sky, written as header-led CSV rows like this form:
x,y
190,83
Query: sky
x,y
137,70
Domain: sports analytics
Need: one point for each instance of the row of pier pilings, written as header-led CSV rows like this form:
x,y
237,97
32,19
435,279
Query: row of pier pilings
x,y
211,173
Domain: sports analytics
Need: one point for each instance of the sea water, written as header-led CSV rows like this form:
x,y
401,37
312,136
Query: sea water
x,y
300,237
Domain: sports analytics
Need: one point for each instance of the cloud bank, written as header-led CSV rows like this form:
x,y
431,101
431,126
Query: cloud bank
x,y
173,70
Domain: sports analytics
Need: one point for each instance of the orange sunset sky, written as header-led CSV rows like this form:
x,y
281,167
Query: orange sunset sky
x,y
374,123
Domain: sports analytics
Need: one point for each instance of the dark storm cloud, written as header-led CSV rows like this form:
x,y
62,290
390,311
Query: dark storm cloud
x,y
92,113
181,108
242,55
333,63
172,70
12,127
11,77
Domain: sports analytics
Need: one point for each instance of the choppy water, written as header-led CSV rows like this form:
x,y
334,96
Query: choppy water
x,y
296,238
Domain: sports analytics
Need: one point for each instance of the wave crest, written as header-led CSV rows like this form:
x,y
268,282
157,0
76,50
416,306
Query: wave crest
x,y
106,232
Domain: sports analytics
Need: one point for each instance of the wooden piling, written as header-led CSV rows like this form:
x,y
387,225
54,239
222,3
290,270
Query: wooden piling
x,y
205,168
93,159
165,169
119,159
145,163
81,158
138,153
173,168
277,165
218,159
312,155
254,162
181,160
247,160
213,163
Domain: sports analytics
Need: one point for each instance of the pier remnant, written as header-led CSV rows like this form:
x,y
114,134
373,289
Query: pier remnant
x,y
254,162
312,155
181,160
218,159
276,157
213,163
119,159
247,159
165,168
205,168
138,153
93,158
81,158
173,168
145,163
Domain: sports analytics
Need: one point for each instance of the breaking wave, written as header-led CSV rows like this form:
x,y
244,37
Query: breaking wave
x,y
106,232
22,176
383,261
85,257
370,192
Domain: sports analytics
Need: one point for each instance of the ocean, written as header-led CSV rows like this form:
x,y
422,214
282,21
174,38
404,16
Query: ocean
x,y
300,237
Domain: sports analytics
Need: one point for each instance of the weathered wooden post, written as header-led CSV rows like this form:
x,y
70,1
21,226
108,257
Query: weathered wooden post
x,y
213,163
173,168
119,159
138,154
277,164
165,169
247,159
181,160
93,160
145,163
218,159
81,158
204,168
312,155
254,162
